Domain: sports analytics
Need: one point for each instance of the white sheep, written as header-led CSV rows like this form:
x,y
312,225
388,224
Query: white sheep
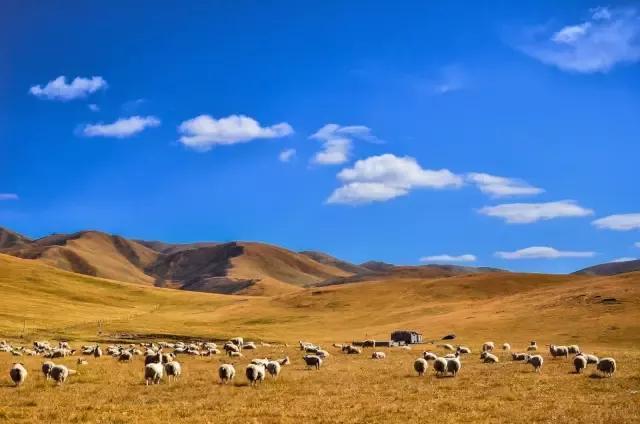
x,y
260,361
454,365
378,355
591,359
536,362
60,373
313,361
322,353
97,352
273,368
125,356
173,370
440,366
573,349
607,366
46,369
236,354
429,356
580,363
18,373
255,374
489,358
284,361
558,351
249,346
519,356
506,347
463,350
226,372
153,373
420,365
533,346
488,346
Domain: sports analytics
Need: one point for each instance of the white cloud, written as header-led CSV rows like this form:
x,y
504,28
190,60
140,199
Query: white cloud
x,y
449,258
451,79
8,196
204,132
607,38
621,222
286,155
380,178
93,107
624,259
122,128
501,186
337,142
58,89
526,213
542,252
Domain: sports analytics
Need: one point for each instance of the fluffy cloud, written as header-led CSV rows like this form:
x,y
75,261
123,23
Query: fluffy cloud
x,y
122,128
621,222
337,142
607,38
58,89
380,178
526,213
542,252
624,259
8,196
286,155
204,132
449,258
501,186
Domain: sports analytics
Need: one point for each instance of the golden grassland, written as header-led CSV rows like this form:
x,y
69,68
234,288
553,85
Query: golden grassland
x,y
508,307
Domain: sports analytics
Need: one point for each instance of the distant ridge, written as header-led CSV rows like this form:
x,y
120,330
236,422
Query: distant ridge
x,y
611,268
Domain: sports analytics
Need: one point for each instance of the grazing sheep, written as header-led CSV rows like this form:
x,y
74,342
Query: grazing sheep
x,y
126,356
81,361
60,373
153,373
573,349
591,359
260,361
255,374
249,346
506,347
533,346
313,361
580,363
273,367
153,359
369,343
353,350
284,361
607,366
463,350
378,355
173,370
230,347
226,372
488,346
519,356
558,351
97,352
46,369
447,346
322,353
429,356
536,362
440,366
489,358
236,354
420,365
454,365
238,341
18,373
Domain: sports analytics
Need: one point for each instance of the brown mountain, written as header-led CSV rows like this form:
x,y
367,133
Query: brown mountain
x,y
611,268
323,258
10,239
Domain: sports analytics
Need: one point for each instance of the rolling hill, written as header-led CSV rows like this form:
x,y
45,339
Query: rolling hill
x,y
611,268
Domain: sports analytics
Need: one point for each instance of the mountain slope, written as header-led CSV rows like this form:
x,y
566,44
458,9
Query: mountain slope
x,y
326,259
10,239
611,268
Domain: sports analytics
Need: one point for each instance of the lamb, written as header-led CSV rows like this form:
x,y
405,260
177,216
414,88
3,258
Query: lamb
x,y
255,374
46,369
173,370
440,366
60,373
18,373
273,367
429,356
573,349
489,358
506,347
580,363
536,362
153,373
533,346
607,366
558,351
420,365
519,356
313,361
488,346
226,372
378,355
463,350
454,365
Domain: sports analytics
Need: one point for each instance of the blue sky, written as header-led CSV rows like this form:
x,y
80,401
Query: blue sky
x,y
481,133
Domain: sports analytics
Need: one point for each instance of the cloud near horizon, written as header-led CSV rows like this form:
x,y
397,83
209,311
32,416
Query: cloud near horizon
x,y
204,132
58,89
542,252
449,258
624,259
527,213
337,142
122,128
619,222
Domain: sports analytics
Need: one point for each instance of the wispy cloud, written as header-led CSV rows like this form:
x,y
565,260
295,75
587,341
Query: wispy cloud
x,y
286,155
449,258
384,177
543,252
637,244
610,36
58,89
93,107
205,132
8,196
526,213
122,128
451,79
620,222
337,142
624,259
501,186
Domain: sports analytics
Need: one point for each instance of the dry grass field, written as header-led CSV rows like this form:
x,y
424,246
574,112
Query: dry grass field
x,y
40,302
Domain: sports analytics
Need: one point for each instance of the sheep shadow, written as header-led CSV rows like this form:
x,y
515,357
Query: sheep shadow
x,y
597,376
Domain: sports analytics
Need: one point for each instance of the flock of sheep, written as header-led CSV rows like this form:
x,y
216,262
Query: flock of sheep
x,y
160,359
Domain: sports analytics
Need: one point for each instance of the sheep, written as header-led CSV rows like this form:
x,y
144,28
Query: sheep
x,y
489,358
60,373
519,356
81,361
273,367
18,373
420,365
153,359
255,374
369,343
126,356
429,356
405,347
488,346
506,347
236,354
260,361
322,353
454,365
440,366
352,350
238,341
533,346
153,373
573,349
249,346
165,358
580,363
378,355
230,347
446,346
284,361
607,366
591,359
226,372
338,345
313,361
463,350
46,369
536,362
558,351
173,370
97,352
